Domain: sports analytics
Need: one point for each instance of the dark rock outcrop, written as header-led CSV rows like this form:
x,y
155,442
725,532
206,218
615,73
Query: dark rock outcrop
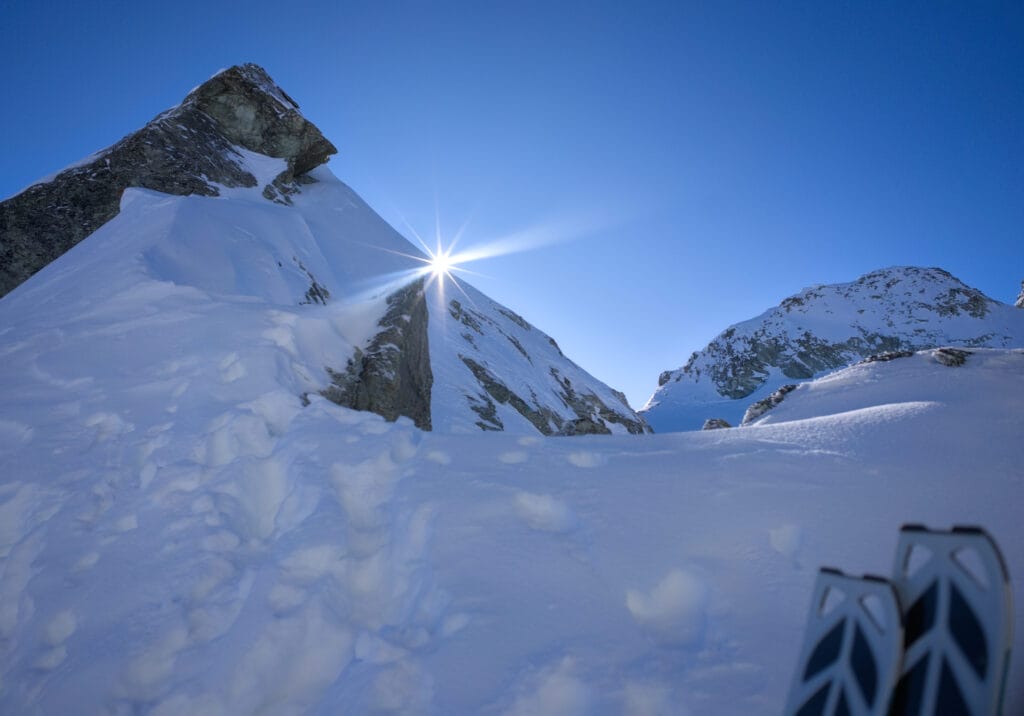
x,y
951,357
392,375
715,424
190,149
761,407
592,414
886,357
1020,298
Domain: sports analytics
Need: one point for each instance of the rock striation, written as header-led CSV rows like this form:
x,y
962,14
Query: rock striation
x,y
519,371
194,148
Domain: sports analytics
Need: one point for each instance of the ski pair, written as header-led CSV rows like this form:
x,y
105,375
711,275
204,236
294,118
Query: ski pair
x,y
932,640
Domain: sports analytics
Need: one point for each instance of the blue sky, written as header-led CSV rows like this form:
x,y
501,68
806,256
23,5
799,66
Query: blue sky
x,y
708,159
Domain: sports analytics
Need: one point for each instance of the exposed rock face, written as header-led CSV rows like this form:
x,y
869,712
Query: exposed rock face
x,y
761,407
591,414
886,357
392,376
1020,298
716,424
884,313
516,366
951,357
190,149
253,112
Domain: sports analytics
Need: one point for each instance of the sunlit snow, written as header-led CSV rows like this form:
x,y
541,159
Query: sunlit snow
x,y
181,534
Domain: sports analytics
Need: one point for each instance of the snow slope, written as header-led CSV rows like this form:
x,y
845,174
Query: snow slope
x,y
248,221
179,534
824,328
240,280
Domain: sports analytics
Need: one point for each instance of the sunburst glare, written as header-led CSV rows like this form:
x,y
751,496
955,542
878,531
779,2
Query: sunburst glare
x,y
443,262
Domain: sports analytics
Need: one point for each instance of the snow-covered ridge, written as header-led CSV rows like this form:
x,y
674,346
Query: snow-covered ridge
x,y
283,234
311,287
204,146
823,328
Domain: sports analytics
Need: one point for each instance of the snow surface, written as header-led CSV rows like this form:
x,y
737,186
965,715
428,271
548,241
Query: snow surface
x,y
180,535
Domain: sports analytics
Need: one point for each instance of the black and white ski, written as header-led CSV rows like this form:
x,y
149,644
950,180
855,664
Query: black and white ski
x,y
850,659
958,615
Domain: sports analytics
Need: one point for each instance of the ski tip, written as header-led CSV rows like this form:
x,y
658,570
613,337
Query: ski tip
x,y
913,527
970,530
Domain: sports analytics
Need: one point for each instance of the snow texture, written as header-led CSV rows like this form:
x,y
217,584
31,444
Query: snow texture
x,y
179,534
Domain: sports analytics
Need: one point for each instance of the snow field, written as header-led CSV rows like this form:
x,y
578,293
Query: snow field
x,y
186,527
321,560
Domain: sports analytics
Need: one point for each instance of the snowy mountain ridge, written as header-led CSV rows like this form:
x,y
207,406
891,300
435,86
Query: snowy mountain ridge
x,y
823,328
199,147
221,204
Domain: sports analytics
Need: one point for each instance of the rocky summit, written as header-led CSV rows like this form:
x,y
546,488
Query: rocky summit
x,y
194,148
215,234
824,328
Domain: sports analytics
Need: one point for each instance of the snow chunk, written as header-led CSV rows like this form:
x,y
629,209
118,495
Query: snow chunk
x,y
404,688
586,458
60,627
439,457
786,540
649,699
545,513
556,691
51,659
675,611
513,457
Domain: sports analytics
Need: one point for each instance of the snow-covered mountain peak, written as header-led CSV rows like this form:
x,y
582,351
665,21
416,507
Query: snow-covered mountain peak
x,y
823,328
1020,298
906,291
238,130
217,218
252,111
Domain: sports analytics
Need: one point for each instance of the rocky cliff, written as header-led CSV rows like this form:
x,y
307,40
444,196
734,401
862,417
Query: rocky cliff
x,y
194,148
824,328
391,376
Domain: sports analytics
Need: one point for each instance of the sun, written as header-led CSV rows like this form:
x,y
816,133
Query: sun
x,y
441,263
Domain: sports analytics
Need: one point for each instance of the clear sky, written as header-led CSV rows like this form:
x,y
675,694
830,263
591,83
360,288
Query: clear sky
x,y
707,159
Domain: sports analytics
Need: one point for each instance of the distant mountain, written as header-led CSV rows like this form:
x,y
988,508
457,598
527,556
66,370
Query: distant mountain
x,y
214,237
824,328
